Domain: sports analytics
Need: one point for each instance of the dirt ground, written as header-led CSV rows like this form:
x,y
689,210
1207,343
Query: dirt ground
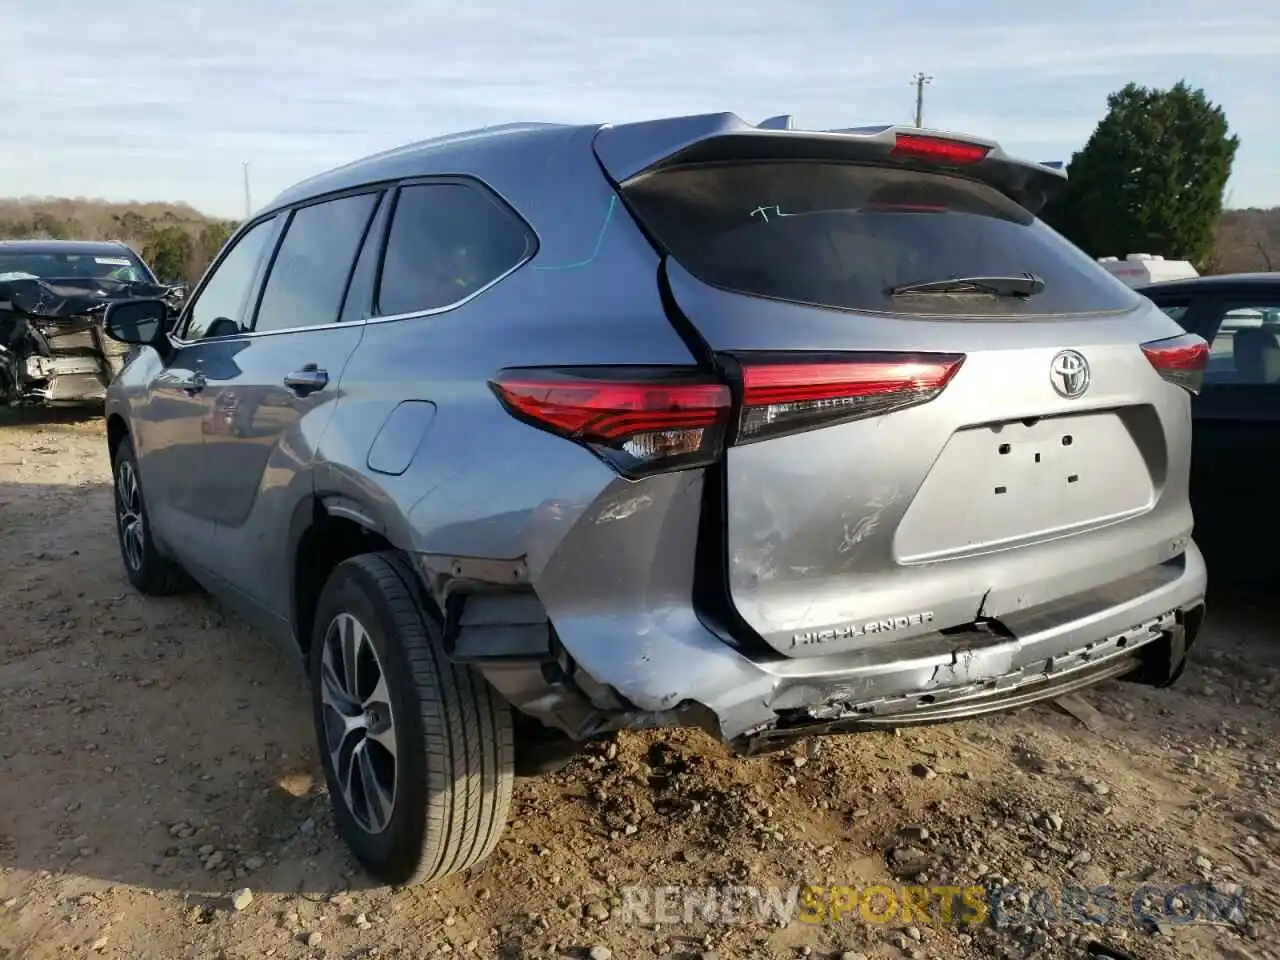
x,y
155,757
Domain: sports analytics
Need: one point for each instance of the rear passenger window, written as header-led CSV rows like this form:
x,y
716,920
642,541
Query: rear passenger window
x,y
447,241
1246,348
309,275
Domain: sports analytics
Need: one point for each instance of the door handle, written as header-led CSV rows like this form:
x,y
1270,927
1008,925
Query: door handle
x,y
307,380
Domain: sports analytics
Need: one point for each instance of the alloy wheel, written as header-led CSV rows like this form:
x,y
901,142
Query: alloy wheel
x,y
359,724
129,510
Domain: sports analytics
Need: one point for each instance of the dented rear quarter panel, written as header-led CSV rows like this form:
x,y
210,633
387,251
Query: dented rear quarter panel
x,y
480,483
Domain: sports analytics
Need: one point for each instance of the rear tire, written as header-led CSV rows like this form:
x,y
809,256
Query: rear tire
x,y
417,751
148,571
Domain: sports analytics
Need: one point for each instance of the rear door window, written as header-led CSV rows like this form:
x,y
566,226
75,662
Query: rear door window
x,y
447,242
313,263
1245,349
843,235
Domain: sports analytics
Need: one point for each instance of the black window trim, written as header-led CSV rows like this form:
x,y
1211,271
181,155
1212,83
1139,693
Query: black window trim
x,y
464,180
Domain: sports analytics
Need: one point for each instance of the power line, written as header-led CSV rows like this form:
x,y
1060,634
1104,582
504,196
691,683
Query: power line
x,y
920,80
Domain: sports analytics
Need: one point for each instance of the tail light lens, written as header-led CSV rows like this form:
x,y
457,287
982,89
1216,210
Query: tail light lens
x,y
787,396
956,153
640,420
649,420
1181,360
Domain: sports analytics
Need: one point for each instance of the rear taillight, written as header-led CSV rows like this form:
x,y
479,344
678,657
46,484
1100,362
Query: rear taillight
x,y
640,420
650,420
914,146
788,396
1181,359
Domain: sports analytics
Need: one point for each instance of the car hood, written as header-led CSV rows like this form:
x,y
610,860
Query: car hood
x,y
56,298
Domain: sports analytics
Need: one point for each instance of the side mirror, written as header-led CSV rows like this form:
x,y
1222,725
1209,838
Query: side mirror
x,y
139,322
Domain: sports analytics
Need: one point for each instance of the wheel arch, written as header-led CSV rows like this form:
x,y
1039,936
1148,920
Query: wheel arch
x,y
323,532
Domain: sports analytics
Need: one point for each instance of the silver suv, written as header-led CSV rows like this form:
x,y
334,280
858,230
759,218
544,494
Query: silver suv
x,y
527,435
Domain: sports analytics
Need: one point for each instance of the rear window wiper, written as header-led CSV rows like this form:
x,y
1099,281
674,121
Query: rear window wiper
x,y
1024,285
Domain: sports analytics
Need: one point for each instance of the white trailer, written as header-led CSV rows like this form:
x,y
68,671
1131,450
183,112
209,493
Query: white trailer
x,y
1140,269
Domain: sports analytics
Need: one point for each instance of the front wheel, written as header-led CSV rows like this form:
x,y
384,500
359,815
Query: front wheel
x,y
147,570
417,751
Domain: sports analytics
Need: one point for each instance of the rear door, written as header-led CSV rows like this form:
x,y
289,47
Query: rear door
x,y
269,409
912,458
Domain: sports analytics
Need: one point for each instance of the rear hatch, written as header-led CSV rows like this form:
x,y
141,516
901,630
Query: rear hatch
x,y
944,411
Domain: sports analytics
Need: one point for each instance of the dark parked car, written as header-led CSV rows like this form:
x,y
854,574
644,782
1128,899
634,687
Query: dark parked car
x,y
1235,464
52,297
532,434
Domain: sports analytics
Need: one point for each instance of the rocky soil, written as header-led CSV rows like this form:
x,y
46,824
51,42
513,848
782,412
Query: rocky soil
x,y
160,797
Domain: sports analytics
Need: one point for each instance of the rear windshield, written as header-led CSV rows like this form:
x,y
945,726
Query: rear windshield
x,y
842,235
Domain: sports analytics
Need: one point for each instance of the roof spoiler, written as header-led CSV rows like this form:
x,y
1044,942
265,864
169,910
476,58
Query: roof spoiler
x,y
628,150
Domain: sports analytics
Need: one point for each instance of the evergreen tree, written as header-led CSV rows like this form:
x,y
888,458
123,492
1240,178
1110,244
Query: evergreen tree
x,y
1151,177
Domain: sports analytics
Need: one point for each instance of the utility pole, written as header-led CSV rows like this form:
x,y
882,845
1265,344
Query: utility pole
x,y
920,79
248,206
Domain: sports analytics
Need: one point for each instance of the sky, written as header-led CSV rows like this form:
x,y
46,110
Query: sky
x,y
165,100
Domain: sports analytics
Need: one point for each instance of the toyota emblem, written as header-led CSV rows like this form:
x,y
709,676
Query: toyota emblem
x,y
1069,373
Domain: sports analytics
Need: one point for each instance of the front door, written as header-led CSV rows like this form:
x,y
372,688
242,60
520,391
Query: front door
x,y
170,426
269,408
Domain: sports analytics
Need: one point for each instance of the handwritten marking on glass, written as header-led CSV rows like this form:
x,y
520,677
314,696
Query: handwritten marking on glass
x,y
763,212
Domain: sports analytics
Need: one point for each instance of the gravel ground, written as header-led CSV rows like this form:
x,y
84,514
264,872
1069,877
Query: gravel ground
x,y
160,797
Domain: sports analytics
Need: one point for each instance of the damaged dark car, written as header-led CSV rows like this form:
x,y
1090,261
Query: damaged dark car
x,y
53,294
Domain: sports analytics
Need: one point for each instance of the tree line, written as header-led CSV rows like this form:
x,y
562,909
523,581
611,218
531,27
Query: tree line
x,y
1246,241
176,240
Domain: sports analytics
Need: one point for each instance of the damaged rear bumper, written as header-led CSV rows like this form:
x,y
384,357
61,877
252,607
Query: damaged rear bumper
x,y
1153,652
680,673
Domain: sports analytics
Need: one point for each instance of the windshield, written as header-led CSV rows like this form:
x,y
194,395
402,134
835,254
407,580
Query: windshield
x,y
858,237
54,266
